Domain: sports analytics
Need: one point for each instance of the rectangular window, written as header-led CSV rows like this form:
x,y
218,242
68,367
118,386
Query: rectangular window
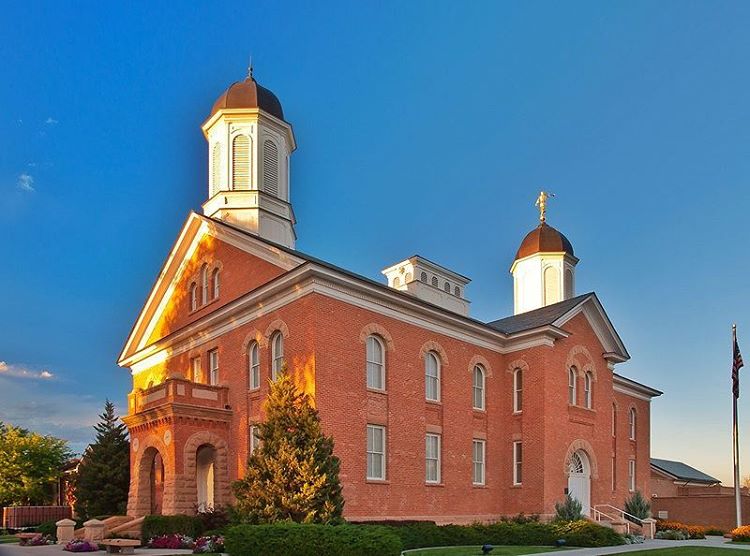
x,y
631,475
432,458
517,463
254,440
614,473
254,361
213,366
518,391
375,452
477,459
195,367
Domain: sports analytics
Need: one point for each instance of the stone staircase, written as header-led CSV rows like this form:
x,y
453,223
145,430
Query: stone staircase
x,y
621,521
118,525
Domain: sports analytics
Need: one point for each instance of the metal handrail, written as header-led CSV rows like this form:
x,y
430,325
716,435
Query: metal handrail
x,y
622,513
598,514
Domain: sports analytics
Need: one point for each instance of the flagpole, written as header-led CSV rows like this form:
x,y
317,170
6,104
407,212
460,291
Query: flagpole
x,y
736,442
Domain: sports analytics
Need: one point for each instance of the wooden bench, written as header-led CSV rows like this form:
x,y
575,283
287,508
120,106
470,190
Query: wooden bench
x,y
27,535
120,546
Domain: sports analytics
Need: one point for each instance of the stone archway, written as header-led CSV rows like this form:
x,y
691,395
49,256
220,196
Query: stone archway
x,y
205,477
151,489
205,454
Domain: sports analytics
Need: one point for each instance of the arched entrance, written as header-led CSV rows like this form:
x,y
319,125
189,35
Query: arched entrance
x,y
205,470
579,479
156,484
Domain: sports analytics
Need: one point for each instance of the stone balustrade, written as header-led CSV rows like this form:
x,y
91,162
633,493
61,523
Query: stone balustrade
x,y
178,391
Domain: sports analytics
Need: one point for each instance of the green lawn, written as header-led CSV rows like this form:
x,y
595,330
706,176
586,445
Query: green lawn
x,y
682,551
8,538
477,551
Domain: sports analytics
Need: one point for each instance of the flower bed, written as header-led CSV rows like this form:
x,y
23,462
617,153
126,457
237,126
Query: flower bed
x,y
690,531
37,540
79,545
741,534
210,544
172,542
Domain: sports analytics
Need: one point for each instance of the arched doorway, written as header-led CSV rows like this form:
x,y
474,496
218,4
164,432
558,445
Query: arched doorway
x,y
156,484
205,470
579,479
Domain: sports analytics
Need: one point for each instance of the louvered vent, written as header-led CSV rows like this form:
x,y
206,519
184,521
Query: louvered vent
x,y
216,169
241,162
271,168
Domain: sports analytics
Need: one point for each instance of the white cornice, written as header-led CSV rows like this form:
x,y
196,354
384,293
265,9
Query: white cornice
x,y
633,388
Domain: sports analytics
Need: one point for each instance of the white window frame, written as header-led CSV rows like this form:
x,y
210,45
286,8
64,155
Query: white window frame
x,y
374,454
254,440
215,283
572,386
195,369
478,455
631,475
477,390
204,284
632,423
430,379
213,367
375,370
518,391
277,354
517,462
436,457
253,364
588,394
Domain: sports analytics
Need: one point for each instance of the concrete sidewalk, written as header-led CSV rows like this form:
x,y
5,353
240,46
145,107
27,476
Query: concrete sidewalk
x,y
709,542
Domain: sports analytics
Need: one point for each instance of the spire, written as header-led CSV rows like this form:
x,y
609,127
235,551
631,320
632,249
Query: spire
x,y
541,202
250,66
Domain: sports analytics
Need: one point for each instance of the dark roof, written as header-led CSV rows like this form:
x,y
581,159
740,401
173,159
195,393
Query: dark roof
x,y
248,94
544,239
682,471
538,317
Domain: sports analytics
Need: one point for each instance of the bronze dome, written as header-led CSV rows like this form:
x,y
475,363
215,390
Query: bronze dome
x,y
248,94
544,239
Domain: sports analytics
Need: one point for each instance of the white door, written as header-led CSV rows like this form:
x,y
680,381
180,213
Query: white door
x,y
579,480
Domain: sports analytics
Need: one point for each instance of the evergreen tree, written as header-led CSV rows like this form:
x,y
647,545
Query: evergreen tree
x,y
638,506
570,509
101,486
293,474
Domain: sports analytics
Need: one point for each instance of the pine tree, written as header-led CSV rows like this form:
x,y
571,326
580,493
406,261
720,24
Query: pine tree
x,y
101,485
638,506
293,474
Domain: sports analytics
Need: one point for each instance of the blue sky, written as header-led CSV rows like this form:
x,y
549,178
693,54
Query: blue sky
x,y
423,127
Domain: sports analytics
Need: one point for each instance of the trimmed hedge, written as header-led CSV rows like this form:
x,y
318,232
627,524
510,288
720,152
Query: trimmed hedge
x,y
158,525
282,539
576,533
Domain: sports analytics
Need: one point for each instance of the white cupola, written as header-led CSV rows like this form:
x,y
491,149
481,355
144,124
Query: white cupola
x,y
544,270
249,144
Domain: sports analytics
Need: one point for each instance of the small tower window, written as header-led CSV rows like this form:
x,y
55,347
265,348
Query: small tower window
x,y
569,292
457,291
447,287
241,162
435,281
423,277
270,168
216,169
396,282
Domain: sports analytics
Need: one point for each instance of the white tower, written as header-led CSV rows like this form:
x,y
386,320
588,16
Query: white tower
x,y
249,144
544,270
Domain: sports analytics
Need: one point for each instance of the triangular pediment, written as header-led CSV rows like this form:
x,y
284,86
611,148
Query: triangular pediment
x,y
251,259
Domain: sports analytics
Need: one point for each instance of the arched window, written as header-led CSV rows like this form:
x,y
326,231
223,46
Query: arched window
x,y
551,285
216,169
435,281
193,296
572,386
215,282
447,287
457,291
631,423
587,389
432,376
396,282
407,278
478,387
204,284
253,362
518,390
423,277
241,162
270,167
375,363
569,291
277,354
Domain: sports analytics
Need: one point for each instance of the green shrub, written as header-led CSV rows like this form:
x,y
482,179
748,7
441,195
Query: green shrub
x,y
569,510
671,534
638,506
158,525
714,530
586,533
282,539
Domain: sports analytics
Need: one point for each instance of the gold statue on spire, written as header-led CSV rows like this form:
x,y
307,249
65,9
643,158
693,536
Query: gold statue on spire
x,y
541,202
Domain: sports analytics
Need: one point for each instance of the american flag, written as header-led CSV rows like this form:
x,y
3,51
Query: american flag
x,y
737,364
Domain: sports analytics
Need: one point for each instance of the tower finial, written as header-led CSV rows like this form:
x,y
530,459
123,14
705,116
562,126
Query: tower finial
x,y
250,66
541,202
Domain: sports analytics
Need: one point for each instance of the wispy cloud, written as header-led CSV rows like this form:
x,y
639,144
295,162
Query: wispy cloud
x,y
51,121
26,182
22,371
